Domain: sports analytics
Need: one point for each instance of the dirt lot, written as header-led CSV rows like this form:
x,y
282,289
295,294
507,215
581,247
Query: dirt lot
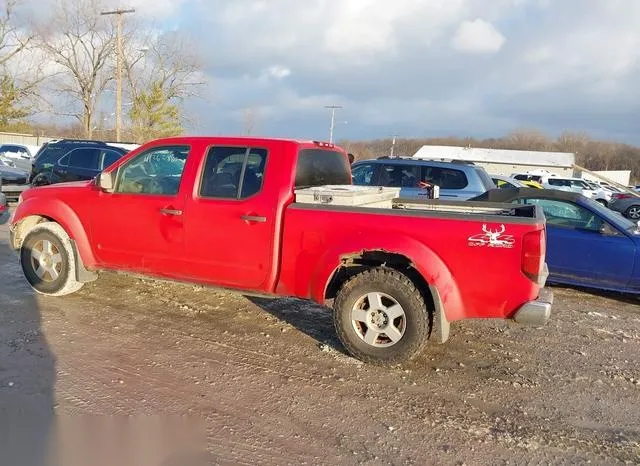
x,y
271,384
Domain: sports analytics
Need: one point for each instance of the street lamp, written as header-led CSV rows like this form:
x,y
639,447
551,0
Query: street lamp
x,y
333,109
119,61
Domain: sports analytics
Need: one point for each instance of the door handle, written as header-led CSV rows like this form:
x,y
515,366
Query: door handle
x,y
171,212
253,218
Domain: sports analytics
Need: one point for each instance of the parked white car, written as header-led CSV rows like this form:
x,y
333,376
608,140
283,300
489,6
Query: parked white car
x,y
578,185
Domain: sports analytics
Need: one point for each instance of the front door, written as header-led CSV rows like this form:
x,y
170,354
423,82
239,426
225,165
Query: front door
x,y
139,227
230,219
583,248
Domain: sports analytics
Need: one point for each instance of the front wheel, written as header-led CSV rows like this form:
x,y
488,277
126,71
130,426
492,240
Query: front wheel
x,y
381,317
603,202
47,260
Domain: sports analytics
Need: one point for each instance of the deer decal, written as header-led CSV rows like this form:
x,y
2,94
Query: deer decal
x,y
492,238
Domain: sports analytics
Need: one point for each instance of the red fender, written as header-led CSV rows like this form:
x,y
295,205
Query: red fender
x,y
424,260
61,213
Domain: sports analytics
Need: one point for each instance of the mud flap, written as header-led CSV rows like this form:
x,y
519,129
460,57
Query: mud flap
x,y
82,274
440,326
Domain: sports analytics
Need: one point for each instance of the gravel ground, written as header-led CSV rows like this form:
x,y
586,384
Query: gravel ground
x,y
224,379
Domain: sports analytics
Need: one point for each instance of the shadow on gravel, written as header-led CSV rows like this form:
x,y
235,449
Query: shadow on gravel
x,y
27,369
624,298
308,317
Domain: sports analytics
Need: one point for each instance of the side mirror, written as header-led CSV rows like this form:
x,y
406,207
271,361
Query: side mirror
x,y
107,181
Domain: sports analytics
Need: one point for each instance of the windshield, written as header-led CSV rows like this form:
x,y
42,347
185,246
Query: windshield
x,y
610,215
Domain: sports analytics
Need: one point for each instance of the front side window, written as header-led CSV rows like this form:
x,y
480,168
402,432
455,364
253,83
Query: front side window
x,y
109,157
363,175
157,171
87,159
233,172
567,214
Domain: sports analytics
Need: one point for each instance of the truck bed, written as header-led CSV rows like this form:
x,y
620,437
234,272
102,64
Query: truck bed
x,y
439,231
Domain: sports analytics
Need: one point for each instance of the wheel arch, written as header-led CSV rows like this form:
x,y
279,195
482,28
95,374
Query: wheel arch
x,y
30,213
419,263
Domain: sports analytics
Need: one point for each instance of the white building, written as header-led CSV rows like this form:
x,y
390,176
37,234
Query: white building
x,y
503,162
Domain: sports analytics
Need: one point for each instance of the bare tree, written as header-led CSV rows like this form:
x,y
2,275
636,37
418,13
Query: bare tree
x,y
20,74
164,66
81,43
249,119
13,40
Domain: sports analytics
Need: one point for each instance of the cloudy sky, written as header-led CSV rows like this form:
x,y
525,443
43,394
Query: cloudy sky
x,y
413,67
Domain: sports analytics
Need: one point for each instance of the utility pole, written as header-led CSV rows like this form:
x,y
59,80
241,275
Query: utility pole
x,y
393,144
119,60
333,109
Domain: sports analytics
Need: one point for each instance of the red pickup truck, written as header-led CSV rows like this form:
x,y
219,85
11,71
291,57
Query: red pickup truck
x,y
223,212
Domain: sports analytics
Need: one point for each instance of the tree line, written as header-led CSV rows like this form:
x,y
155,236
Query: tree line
x,y
590,153
65,64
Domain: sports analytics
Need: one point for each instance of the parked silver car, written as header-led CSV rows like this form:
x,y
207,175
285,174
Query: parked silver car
x,y
627,204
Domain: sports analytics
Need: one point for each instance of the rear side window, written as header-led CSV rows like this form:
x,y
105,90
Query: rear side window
x,y
233,172
446,178
88,159
318,167
485,179
50,154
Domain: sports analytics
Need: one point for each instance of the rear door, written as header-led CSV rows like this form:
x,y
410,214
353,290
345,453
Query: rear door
x,y
404,176
229,220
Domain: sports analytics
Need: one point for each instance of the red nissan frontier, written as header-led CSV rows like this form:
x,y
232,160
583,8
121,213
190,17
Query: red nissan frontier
x,y
227,212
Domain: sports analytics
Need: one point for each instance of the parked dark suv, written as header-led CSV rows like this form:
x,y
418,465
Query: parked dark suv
x,y
72,160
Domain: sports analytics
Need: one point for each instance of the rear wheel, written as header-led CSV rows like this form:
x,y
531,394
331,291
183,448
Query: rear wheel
x,y
47,260
633,212
381,317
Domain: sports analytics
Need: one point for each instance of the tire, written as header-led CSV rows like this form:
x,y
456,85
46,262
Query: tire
x,y
633,212
355,317
48,262
603,202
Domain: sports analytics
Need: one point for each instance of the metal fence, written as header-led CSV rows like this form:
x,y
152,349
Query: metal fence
x,y
24,139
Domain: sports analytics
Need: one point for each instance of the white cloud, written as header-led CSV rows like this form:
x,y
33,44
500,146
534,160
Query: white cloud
x,y
477,36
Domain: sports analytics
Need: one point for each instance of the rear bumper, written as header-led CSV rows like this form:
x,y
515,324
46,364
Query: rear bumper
x,y
536,313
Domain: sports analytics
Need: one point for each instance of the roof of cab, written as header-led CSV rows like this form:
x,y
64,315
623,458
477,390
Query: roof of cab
x,y
237,139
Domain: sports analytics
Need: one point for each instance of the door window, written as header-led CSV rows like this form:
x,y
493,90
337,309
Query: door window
x,y
233,172
568,215
86,159
157,171
109,157
399,176
446,178
363,175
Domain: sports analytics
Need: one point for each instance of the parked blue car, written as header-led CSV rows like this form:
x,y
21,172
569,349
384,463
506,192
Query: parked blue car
x,y
458,181
588,245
